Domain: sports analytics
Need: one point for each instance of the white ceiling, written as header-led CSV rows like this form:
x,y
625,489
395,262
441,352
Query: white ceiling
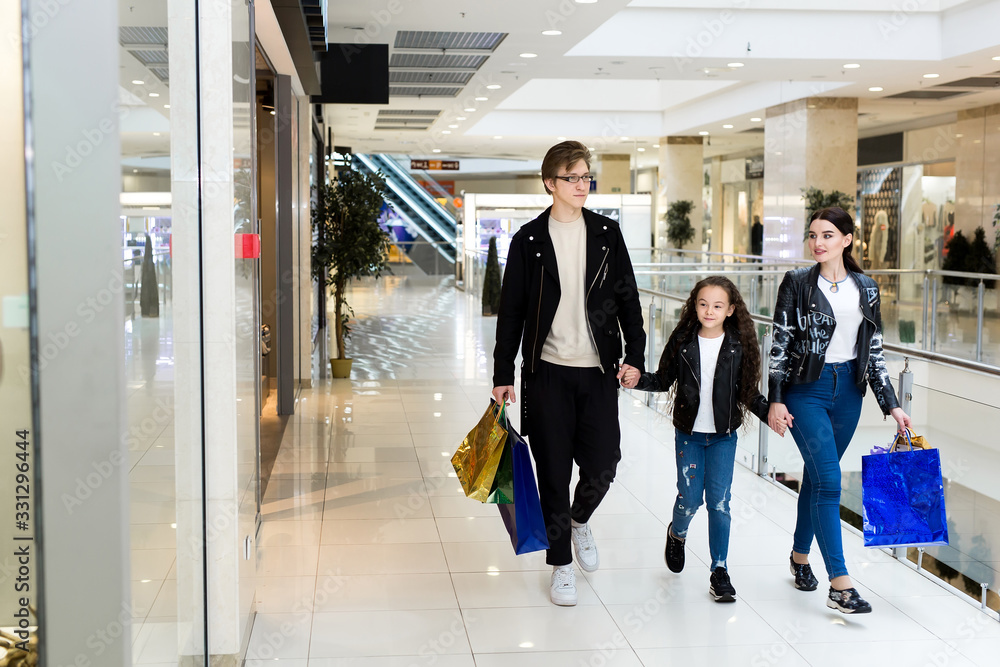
x,y
649,68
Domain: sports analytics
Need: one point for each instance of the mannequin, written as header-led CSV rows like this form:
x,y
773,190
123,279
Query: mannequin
x,y
879,241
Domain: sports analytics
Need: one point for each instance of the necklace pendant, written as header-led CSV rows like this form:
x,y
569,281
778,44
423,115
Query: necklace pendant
x,y
834,287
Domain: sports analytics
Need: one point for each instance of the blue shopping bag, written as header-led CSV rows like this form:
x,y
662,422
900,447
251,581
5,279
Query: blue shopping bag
x,y
903,498
523,518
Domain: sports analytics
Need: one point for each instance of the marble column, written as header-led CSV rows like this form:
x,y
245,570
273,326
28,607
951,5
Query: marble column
x,y
681,177
205,342
977,171
811,142
614,174
303,262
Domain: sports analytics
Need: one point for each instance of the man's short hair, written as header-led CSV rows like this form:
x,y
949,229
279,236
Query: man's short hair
x,y
562,156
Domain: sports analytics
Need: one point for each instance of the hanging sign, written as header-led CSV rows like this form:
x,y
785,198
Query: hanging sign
x,y
434,165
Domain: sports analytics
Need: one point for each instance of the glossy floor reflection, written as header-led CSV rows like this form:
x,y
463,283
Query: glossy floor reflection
x,y
371,555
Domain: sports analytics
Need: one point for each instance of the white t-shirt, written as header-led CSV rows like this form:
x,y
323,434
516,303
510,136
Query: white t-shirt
x,y
704,421
846,303
569,342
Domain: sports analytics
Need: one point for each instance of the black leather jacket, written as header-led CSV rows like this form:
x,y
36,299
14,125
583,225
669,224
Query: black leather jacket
x,y
803,326
681,362
530,295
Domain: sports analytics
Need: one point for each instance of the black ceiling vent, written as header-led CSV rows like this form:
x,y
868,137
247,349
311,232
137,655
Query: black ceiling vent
x,y
926,95
354,74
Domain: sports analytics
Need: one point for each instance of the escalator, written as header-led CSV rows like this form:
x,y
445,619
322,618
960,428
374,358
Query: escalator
x,y
421,212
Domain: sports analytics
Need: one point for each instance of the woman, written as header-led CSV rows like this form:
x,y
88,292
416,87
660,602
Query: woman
x,y
827,343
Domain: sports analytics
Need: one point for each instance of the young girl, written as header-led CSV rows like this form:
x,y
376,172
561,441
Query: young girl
x,y
712,355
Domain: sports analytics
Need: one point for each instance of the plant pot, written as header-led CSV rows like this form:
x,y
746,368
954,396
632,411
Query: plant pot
x,y
340,368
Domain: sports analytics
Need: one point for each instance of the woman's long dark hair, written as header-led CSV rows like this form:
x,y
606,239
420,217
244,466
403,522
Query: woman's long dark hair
x,y
740,324
844,223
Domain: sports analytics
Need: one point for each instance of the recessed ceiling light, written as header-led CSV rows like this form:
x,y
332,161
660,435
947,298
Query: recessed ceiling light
x,y
482,99
641,149
931,76
703,133
852,66
493,86
560,138
755,120
154,94
656,145
875,89
498,137
996,57
734,64
469,110
528,55
436,150
156,134
460,118
727,127
138,82
135,171
551,33
624,138
454,127
445,131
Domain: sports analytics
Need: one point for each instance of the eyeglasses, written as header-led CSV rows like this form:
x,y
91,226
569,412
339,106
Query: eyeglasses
x,y
576,179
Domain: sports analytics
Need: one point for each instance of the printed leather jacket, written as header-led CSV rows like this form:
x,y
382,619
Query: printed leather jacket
x,y
681,362
803,326
530,295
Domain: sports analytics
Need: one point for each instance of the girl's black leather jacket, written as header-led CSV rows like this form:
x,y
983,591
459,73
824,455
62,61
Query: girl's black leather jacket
x,y
681,362
803,326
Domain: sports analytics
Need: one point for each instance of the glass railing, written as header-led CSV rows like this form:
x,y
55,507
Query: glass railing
x,y
953,416
956,315
425,256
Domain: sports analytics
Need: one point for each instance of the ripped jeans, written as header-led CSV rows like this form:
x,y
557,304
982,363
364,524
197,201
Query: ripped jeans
x,y
705,469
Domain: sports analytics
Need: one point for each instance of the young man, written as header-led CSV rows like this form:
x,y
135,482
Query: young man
x,y
568,296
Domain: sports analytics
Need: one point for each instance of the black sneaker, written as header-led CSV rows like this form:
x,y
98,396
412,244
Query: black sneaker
x,y
805,580
720,587
674,553
847,601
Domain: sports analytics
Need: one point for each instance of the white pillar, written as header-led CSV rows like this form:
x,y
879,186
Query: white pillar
x,y
81,456
205,365
811,142
302,265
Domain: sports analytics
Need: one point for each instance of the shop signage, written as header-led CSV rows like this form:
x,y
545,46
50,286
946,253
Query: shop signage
x,y
755,167
434,165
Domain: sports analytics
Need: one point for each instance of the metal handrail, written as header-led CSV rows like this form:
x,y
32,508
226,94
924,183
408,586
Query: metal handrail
x,y
908,352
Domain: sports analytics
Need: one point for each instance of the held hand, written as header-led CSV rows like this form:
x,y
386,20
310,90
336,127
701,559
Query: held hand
x,y
902,419
778,418
628,376
501,394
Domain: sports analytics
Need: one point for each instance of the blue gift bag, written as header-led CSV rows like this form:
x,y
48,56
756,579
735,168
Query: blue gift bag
x,y
903,498
523,518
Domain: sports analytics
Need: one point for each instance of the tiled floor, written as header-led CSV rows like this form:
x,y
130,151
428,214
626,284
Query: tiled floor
x,y
371,556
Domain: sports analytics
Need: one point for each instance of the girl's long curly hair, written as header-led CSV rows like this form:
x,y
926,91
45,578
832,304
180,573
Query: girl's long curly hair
x,y
739,324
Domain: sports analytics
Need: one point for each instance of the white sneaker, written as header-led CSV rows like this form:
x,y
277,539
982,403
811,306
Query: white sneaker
x,y
563,589
583,545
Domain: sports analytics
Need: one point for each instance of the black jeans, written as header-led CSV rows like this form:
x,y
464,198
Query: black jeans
x,y
574,417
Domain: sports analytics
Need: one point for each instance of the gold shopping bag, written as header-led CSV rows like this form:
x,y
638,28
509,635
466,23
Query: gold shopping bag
x,y
908,440
478,457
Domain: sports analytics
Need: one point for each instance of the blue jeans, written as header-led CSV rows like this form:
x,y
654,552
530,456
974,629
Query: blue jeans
x,y
705,469
825,415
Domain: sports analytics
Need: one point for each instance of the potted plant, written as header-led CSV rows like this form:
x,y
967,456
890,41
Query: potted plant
x,y
817,199
348,243
679,229
491,280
